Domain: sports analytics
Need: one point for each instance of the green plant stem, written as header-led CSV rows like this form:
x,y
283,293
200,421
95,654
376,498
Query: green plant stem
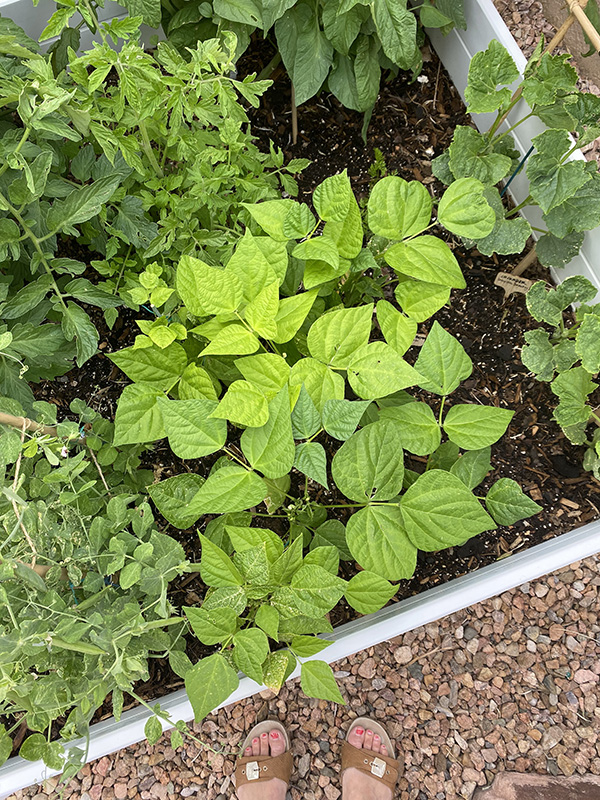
x,y
516,209
503,115
266,73
570,152
147,146
351,505
419,233
36,243
516,125
270,516
441,411
12,616
122,270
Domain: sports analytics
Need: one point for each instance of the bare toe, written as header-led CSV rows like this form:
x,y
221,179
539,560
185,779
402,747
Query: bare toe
x,y
368,745
255,747
248,751
376,744
264,744
383,750
276,743
357,737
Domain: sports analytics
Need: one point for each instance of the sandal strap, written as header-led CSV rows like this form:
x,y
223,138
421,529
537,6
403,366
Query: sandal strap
x,y
253,769
381,768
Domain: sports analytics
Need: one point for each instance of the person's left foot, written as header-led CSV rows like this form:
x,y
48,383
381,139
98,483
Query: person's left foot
x,y
268,743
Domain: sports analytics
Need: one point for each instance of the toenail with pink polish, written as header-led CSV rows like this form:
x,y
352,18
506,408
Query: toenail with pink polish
x,y
360,731
274,734
264,736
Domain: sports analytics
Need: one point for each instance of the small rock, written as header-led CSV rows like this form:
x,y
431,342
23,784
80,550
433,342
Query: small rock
x,y
120,790
585,676
556,632
565,764
102,767
378,683
368,668
402,655
304,765
574,645
331,792
552,737
473,646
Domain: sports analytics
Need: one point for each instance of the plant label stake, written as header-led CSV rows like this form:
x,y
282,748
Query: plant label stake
x,y
512,283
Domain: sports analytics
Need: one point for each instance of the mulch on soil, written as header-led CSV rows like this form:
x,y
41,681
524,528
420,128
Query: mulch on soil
x,y
509,684
411,123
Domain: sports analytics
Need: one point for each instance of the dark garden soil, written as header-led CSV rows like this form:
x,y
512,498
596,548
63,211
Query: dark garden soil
x,y
411,123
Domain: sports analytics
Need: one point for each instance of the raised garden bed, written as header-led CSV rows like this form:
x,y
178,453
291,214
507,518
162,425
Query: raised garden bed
x,y
535,453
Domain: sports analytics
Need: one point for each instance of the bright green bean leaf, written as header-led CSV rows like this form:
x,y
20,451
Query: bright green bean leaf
x,y
378,541
473,426
507,503
442,362
370,465
439,511
367,592
426,258
190,428
270,448
419,431
209,683
398,208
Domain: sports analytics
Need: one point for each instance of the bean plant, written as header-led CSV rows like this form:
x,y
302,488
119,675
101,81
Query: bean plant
x,y
567,192
127,159
304,412
569,357
84,573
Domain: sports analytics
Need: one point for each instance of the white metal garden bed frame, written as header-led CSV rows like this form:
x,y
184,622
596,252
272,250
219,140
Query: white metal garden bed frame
x,y
455,51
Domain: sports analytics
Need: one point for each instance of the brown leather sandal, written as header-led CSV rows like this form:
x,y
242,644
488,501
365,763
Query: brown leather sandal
x,y
383,768
253,769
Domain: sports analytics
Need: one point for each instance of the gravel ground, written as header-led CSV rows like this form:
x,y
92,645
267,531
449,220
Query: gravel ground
x,y
510,684
525,20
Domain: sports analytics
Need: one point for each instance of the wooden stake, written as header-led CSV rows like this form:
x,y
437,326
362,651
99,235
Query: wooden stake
x,y
25,424
553,44
294,117
576,8
525,262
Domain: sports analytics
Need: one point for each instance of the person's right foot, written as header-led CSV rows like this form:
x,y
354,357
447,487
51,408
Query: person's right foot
x,y
357,785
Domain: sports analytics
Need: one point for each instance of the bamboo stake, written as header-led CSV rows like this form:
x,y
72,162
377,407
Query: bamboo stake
x,y
26,424
294,117
576,8
525,262
552,45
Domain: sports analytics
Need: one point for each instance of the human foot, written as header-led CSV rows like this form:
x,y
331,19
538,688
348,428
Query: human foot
x,y
372,771
263,771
